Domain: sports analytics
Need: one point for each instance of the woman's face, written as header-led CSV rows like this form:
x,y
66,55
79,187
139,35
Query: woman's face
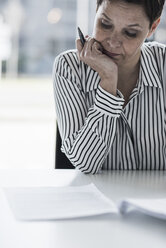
x,y
121,28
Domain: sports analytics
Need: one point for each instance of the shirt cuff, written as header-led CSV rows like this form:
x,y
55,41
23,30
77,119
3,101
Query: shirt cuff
x,y
108,103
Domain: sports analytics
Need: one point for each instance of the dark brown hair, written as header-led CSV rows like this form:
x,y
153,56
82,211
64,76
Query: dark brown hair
x,y
153,8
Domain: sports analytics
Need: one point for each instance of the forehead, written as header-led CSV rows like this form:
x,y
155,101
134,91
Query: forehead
x,y
128,12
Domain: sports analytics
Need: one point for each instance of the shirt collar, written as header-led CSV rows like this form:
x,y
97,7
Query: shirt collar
x,y
149,74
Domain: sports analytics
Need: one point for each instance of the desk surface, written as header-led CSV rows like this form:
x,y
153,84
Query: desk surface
x,y
132,230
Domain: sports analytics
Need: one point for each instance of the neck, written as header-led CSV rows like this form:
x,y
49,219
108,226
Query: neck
x,y
128,72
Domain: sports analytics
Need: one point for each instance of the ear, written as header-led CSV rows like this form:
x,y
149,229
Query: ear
x,y
153,27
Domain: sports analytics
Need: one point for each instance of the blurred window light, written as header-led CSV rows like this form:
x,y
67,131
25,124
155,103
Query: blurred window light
x,y
5,40
54,15
160,35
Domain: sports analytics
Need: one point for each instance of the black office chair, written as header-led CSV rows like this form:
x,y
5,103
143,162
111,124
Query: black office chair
x,y
61,161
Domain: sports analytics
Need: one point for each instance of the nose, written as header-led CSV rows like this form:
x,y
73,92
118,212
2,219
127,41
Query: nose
x,y
114,41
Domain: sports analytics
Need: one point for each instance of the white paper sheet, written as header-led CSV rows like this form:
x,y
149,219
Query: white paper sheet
x,y
45,203
152,207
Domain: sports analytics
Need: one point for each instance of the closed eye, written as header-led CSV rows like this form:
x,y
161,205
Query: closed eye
x,y
131,34
106,26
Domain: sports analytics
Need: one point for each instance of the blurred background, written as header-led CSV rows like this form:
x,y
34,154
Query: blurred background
x,y
32,33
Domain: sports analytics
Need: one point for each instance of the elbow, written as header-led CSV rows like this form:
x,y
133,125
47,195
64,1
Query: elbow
x,y
85,161
86,167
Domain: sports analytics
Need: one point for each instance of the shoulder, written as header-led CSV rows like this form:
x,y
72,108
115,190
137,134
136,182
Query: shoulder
x,y
154,44
156,49
154,53
67,59
68,65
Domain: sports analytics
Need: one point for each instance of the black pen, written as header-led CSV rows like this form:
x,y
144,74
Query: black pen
x,y
81,36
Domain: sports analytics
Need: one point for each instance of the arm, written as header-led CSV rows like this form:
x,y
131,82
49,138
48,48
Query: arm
x,y
87,134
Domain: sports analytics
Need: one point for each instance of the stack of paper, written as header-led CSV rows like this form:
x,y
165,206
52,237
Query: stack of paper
x,y
152,207
45,203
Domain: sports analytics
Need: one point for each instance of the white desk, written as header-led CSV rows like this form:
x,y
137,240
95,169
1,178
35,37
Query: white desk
x,y
133,230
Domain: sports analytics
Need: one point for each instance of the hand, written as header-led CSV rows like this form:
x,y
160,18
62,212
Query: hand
x,y
92,54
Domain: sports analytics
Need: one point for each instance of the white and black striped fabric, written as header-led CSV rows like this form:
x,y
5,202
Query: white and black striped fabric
x,y
97,131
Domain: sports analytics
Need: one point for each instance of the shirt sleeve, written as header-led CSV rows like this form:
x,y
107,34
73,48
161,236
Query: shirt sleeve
x,y
87,134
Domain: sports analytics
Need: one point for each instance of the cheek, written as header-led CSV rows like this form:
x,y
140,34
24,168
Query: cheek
x,y
98,33
132,48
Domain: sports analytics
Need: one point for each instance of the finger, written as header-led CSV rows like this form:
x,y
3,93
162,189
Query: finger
x,y
97,48
85,50
79,45
88,44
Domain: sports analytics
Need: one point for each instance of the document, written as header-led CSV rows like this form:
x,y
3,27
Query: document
x,y
53,203
152,207
46,203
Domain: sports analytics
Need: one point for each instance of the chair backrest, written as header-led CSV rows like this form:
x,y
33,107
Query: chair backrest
x,y
61,161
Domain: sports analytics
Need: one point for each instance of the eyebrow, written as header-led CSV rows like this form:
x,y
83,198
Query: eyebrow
x,y
130,25
134,25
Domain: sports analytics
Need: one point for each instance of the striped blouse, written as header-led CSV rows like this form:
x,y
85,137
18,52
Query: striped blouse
x,y
97,131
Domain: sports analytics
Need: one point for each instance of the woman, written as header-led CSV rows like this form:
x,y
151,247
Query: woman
x,y
110,94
